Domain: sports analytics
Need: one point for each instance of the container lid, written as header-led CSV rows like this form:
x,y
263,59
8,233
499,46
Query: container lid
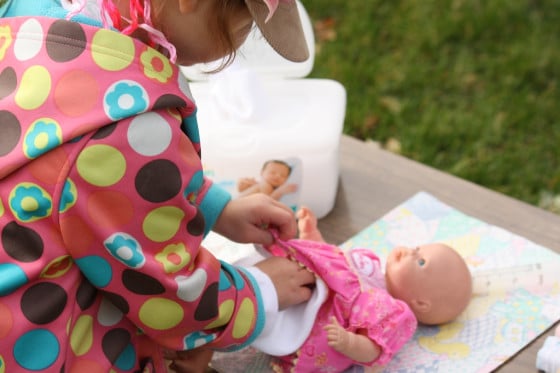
x,y
257,55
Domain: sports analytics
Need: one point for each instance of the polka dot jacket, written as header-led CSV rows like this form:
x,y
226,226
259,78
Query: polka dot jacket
x,y
103,206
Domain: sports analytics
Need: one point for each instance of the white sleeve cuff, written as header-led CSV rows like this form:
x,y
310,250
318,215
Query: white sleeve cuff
x,y
268,291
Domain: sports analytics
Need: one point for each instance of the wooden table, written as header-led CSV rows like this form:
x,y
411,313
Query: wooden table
x,y
374,181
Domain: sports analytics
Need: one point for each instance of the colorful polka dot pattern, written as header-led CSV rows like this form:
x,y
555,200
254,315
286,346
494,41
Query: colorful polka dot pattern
x,y
100,219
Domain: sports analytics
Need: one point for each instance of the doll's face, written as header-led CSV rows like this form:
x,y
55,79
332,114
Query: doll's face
x,y
432,279
275,173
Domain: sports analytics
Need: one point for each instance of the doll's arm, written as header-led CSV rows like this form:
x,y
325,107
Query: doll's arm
x,y
356,346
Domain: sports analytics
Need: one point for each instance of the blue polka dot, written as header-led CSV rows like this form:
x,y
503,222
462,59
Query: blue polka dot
x,y
190,128
124,99
127,358
125,249
36,350
43,135
12,278
224,281
194,186
96,269
235,275
30,202
197,339
68,197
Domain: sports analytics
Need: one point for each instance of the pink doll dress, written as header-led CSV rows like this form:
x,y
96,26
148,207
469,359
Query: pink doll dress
x,y
355,304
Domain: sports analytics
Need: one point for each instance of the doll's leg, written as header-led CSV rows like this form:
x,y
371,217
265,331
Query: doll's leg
x,y
307,225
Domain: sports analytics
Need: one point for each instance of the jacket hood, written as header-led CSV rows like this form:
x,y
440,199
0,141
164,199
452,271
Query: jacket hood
x,y
61,80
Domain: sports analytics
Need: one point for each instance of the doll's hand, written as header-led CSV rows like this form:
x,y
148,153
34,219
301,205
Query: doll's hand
x,y
337,336
357,346
248,220
190,361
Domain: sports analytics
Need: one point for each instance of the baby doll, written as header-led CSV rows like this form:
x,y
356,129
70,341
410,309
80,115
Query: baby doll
x,y
274,175
361,322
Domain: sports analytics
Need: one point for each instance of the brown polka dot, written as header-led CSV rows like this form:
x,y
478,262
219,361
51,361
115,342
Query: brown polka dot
x,y
8,82
114,342
196,226
140,283
43,302
169,101
21,243
11,132
85,296
65,41
104,132
208,306
158,181
117,301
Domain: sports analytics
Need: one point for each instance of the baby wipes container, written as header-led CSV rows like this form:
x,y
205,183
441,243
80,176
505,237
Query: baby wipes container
x,y
260,109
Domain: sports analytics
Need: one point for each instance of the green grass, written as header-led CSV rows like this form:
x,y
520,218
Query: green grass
x,y
466,86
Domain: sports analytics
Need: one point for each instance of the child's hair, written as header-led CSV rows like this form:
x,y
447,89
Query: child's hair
x,y
223,11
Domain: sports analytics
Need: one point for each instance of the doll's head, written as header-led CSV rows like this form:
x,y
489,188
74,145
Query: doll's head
x,y
432,279
275,172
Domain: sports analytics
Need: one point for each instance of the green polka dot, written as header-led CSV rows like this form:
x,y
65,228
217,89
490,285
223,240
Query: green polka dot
x,y
1,208
226,312
245,319
106,45
81,337
163,223
161,314
101,165
34,88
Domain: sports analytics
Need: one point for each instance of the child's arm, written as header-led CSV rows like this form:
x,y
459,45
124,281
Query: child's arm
x,y
356,346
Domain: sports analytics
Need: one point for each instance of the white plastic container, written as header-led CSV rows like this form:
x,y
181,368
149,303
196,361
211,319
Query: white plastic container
x,y
262,108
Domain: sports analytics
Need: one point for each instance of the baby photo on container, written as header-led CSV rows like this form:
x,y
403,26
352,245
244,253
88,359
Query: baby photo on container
x,y
279,178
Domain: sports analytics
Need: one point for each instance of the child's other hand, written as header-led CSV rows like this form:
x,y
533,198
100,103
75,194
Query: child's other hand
x,y
292,282
248,220
190,361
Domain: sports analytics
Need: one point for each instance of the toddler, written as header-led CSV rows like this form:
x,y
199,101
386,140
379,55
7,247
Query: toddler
x,y
103,201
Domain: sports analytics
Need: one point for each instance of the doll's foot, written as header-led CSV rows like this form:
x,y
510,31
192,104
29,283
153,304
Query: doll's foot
x,y
307,225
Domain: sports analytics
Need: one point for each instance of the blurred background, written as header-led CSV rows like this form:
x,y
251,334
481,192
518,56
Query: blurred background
x,y
469,87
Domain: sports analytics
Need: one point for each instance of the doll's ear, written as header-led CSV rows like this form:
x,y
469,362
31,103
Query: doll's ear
x,y
420,306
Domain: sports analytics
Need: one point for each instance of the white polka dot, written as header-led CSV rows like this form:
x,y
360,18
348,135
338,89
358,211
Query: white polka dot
x,y
191,287
126,102
149,134
125,253
29,40
184,86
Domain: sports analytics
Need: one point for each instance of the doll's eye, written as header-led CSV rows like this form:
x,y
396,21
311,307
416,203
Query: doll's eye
x,y
421,262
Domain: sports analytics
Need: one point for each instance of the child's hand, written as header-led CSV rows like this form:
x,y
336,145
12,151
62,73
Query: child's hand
x,y
293,283
248,219
190,361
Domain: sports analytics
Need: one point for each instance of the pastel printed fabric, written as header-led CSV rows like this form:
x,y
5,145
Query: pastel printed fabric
x,y
355,304
103,206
